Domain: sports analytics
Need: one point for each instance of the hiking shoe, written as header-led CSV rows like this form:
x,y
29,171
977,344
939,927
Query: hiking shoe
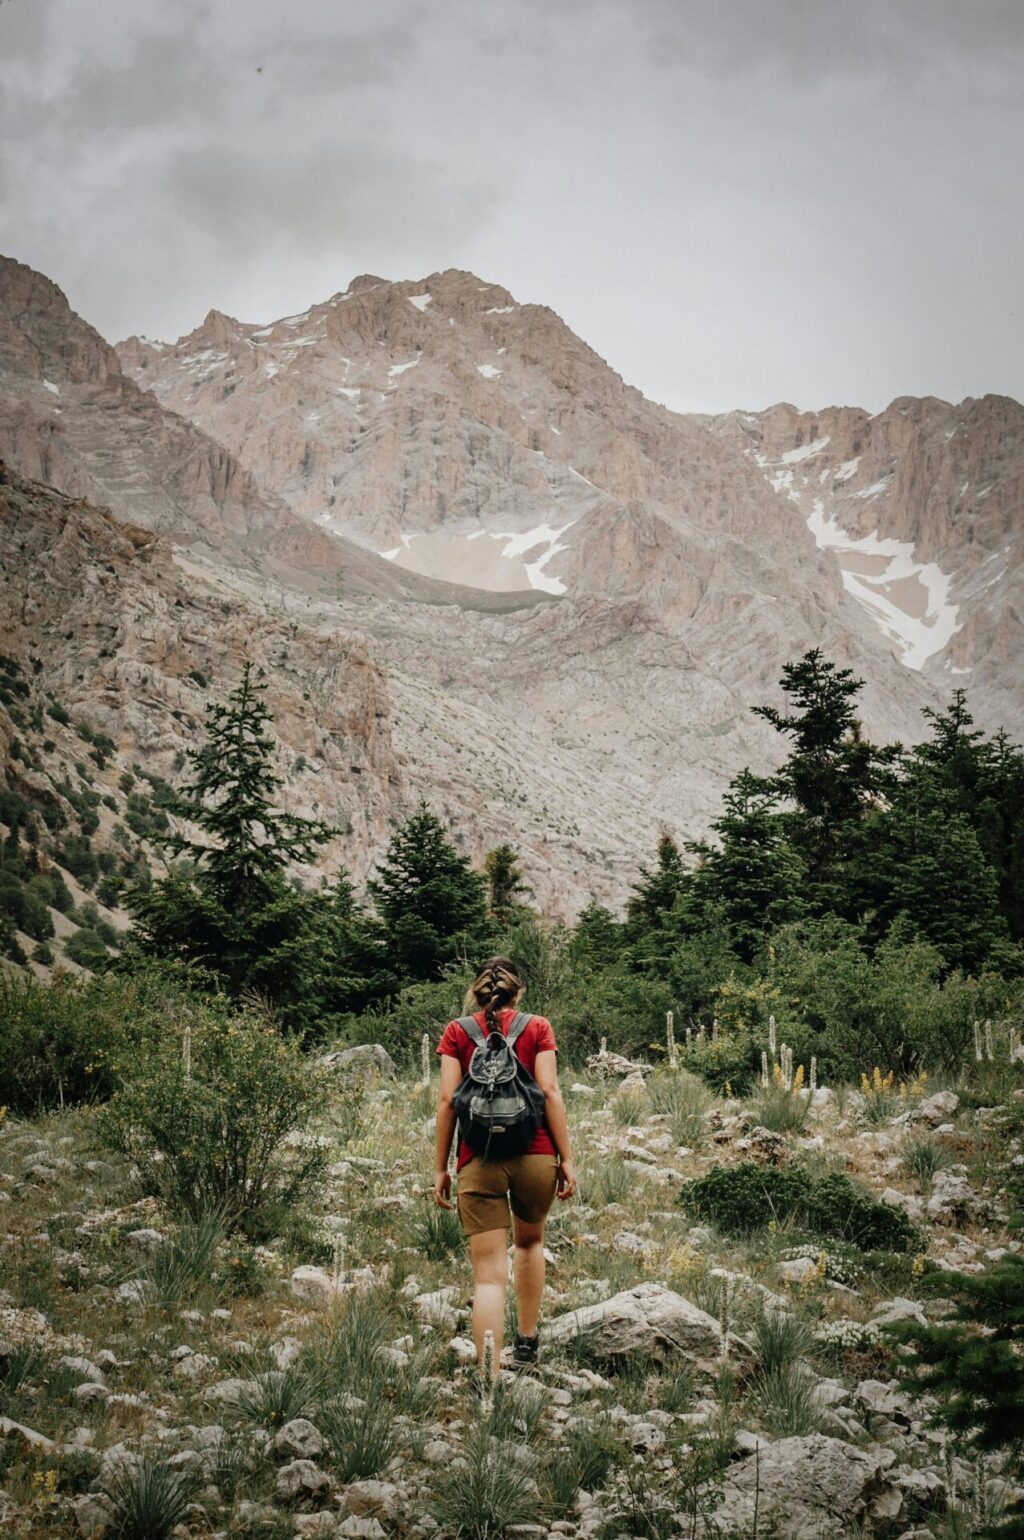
x,y
524,1354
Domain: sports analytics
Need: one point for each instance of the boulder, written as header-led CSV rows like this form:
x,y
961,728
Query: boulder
x,y
953,1199
609,1066
94,1514
146,1239
315,1284
437,1451
652,1320
370,1499
369,1060
899,1309
27,1435
436,1308
299,1439
225,1392
302,1479
286,1351
936,1109
911,1205
809,1487
356,1527
316,1526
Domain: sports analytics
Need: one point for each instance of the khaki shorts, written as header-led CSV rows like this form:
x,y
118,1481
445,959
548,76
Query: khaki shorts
x,y
485,1188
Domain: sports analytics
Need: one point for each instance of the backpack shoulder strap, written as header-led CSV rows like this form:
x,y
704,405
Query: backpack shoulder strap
x,y
518,1025
471,1027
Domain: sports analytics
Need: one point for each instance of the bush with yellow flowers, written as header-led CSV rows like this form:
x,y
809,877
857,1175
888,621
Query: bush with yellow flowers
x,y
885,1095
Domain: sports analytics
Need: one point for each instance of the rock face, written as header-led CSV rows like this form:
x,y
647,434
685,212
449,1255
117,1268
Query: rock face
x,y
648,1319
128,643
815,1486
580,594
921,506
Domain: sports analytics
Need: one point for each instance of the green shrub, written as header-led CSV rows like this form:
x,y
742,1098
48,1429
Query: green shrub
x,y
86,948
77,857
836,1207
437,1232
62,1042
20,898
211,1125
745,1198
399,1025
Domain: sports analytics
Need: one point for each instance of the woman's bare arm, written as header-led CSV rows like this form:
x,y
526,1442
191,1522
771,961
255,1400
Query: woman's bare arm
x,y
451,1074
545,1072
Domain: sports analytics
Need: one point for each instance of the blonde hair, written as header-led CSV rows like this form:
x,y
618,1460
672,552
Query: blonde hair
x,y
496,985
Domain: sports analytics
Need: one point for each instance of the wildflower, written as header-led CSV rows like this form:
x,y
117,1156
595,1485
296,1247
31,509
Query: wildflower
x,y
488,1368
814,1074
798,1078
425,1058
989,1054
670,1038
977,1042
917,1266
771,1036
764,1069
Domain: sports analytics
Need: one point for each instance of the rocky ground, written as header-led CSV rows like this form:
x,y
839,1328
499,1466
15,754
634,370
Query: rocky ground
x,y
321,1383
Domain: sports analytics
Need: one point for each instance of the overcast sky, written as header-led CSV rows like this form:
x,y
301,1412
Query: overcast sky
x,y
734,201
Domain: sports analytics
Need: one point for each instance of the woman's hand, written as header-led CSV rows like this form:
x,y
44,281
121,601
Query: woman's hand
x,y
443,1189
566,1179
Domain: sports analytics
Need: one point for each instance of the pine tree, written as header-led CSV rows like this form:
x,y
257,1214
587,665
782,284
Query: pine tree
x,y
832,774
597,938
923,860
505,881
249,844
229,905
652,897
754,879
432,904
974,1366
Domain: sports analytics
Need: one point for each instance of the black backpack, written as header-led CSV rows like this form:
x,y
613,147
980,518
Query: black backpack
x,y
498,1103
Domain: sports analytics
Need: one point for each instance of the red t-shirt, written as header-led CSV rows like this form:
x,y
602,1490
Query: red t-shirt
x,y
535,1037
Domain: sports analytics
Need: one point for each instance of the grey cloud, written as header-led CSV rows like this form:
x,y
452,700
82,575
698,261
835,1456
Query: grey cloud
x,y
166,79
346,60
23,28
808,40
323,195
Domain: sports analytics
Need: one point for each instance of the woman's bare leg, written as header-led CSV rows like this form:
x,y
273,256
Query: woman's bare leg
x,y
529,1272
488,1252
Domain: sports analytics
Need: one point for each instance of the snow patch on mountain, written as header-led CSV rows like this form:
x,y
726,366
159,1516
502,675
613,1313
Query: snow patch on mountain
x,y
483,558
907,599
804,451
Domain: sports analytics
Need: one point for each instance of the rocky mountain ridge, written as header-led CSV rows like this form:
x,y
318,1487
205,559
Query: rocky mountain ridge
x,y
567,596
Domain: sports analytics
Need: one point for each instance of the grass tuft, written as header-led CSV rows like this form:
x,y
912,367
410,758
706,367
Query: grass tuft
x,y
150,1496
491,1491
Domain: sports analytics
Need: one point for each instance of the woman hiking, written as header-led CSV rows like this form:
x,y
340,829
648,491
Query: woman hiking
x,y
487,1187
